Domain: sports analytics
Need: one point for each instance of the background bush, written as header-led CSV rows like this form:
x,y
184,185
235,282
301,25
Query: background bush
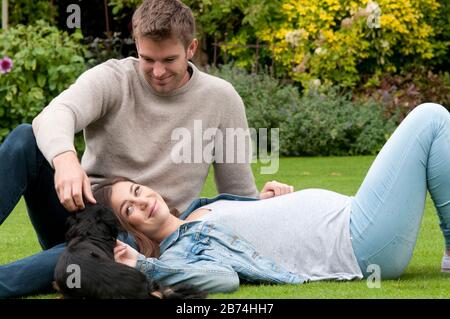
x,y
267,102
46,61
323,122
329,40
330,123
30,11
400,93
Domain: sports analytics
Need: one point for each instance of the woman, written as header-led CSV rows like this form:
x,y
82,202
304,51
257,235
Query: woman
x,y
300,236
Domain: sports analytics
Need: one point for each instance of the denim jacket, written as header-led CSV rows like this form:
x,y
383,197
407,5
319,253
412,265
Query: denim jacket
x,y
211,257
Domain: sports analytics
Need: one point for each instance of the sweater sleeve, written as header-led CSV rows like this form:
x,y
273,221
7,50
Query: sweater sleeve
x,y
233,153
72,110
210,277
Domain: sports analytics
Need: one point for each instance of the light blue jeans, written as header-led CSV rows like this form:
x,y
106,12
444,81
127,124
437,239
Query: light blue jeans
x,y
388,207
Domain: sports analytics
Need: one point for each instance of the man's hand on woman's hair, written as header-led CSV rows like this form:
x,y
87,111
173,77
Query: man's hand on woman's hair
x,y
71,182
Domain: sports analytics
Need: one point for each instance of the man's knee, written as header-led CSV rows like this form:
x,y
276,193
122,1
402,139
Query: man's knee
x,y
21,138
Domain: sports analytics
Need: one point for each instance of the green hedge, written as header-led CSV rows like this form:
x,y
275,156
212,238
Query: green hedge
x,y
30,11
45,62
268,103
320,123
332,124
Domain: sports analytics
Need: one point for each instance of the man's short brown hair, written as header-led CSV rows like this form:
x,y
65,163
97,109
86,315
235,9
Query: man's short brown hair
x,y
164,19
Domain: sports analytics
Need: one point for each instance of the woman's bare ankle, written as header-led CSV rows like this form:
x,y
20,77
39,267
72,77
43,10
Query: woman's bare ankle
x,y
448,252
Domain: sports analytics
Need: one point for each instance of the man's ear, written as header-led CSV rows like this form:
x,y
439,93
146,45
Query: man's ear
x,y
192,48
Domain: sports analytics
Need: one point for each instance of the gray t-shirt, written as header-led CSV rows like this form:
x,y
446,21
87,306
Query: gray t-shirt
x,y
306,231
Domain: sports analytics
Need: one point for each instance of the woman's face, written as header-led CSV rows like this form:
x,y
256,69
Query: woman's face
x,y
140,206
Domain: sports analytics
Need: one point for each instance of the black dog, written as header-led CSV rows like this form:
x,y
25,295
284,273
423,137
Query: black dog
x,y
91,238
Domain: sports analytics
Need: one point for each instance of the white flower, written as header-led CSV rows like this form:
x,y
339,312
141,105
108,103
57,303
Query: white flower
x,y
372,7
316,83
294,37
320,51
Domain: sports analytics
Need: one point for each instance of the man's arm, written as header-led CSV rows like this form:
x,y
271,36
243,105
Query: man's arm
x,y
233,150
81,104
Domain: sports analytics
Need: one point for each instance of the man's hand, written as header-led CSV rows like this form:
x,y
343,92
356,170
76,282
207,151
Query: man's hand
x,y
71,182
274,188
125,254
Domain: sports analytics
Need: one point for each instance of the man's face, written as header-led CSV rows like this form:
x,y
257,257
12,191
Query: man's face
x,y
164,63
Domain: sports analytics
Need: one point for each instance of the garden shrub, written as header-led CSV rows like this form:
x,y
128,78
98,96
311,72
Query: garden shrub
x,y
330,41
400,93
120,7
336,41
267,102
114,47
45,62
323,122
330,123
30,11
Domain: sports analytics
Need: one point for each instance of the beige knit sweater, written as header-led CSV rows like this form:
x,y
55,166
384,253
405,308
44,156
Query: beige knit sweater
x,y
130,130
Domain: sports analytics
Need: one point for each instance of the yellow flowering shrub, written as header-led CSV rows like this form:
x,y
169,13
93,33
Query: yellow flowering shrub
x,y
327,41
333,41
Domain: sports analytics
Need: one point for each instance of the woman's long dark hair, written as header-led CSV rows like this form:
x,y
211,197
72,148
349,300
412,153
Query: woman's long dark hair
x,y
102,194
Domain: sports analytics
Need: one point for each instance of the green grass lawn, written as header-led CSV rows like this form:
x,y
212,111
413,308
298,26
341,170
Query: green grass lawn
x,y
422,278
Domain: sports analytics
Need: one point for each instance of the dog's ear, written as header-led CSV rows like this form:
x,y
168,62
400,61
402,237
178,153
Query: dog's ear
x,y
107,216
71,220
72,230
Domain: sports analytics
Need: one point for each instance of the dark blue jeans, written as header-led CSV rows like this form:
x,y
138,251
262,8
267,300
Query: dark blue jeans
x,y
24,171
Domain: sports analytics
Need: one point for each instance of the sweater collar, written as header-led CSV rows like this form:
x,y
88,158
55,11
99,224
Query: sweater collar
x,y
192,80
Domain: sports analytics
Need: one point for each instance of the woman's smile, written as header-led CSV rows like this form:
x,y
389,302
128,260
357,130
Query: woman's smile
x,y
152,209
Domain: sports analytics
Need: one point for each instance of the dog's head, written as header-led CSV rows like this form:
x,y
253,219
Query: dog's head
x,y
85,271
94,221
86,268
91,236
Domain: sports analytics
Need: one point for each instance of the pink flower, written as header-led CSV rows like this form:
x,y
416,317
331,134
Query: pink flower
x,y
6,65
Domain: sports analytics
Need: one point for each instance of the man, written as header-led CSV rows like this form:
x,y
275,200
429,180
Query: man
x,y
128,110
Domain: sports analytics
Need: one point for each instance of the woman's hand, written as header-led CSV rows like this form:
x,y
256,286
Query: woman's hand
x,y
125,254
274,188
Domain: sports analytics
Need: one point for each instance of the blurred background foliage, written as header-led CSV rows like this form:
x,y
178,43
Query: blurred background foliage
x,y
46,61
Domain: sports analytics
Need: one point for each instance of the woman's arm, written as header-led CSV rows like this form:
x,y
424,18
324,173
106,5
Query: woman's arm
x,y
207,276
